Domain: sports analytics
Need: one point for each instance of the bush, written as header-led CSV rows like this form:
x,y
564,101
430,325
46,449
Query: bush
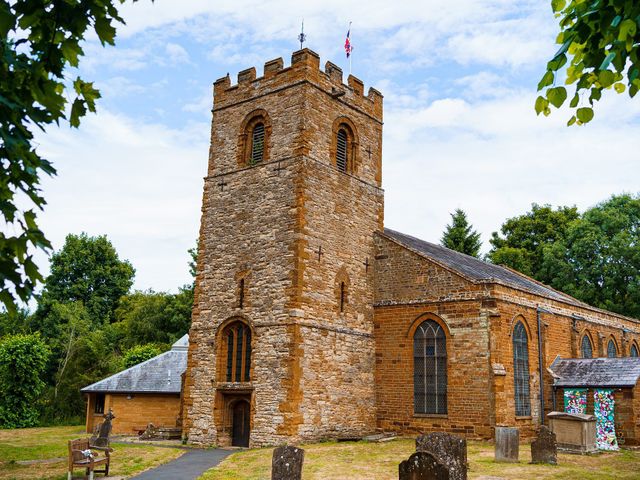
x,y
139,354
23,361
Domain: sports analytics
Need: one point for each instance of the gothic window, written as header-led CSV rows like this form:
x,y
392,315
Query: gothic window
x,y
342,147
521,370
634,350
586,348
238,344
612,351
257,144
343,296
430,369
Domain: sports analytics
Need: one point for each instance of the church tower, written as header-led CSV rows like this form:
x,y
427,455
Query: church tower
x,y
281,343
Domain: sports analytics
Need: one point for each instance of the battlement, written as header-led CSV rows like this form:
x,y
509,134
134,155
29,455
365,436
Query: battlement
x,y
305,66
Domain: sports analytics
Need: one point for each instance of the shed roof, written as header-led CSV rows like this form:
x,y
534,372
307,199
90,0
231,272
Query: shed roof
x,y
596,372
477,270
161,374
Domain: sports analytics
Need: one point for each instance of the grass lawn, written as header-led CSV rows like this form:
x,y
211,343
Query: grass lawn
x,y
47,444
377,461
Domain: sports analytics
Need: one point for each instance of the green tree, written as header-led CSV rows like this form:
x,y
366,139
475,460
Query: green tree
x,y
460,236
39,41
599,51
523,238
23,359
598,260
139,354
12,322
154,317
87,269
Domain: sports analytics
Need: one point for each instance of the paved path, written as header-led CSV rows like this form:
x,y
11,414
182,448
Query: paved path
x,y
187,467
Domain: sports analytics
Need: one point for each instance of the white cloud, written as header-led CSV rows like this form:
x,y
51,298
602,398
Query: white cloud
x,y
176,54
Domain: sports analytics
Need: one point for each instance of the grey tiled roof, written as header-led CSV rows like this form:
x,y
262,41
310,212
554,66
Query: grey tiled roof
x,y
478,270
161,374
596,372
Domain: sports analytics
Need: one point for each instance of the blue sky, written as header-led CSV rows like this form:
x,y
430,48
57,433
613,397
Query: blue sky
x,y
459,79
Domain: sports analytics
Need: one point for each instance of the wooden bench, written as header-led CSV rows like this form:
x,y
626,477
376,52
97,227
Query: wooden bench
x,y
78,459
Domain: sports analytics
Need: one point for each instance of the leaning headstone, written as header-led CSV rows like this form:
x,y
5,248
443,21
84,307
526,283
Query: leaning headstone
x,y
544,449
287,463
449,450
423,466
507,444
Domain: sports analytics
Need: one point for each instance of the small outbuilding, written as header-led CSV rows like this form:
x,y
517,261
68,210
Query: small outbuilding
x,y
604,387
145,393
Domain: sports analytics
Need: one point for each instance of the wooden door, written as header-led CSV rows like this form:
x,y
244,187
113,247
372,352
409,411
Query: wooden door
x,y
241,417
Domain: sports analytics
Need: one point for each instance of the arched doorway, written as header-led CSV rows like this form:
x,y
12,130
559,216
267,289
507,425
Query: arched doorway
x,y
240,424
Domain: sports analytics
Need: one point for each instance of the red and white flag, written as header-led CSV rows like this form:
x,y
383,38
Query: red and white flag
x,y
348,48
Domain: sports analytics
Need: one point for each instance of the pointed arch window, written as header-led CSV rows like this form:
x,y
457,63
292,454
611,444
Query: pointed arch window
x,y
430,369
634,350
586,348
257,144
342,150
521,370
238,345
612,351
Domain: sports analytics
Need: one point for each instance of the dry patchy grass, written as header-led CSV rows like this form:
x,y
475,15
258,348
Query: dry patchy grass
x,y
379,461
48,446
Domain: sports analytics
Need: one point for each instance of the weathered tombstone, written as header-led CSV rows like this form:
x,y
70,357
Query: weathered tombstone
x,y
287,463
449,450
544,449
423,466
507,444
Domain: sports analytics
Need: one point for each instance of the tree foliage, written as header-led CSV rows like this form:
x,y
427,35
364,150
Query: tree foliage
x,y
599,51
39,41
23,360
523,238
598,260
460,236
88,270
139,354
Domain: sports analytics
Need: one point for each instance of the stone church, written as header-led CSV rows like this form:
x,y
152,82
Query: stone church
x,y
312,320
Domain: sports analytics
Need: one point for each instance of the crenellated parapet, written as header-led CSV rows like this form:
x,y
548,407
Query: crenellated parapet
x,y
304,68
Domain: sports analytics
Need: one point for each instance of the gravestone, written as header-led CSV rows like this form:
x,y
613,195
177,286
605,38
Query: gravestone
x,y
449,450
544,449
287,463
422,466
507,444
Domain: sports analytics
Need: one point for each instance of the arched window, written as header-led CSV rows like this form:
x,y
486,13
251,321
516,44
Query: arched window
x,y
634,350
586,348
521,370
430,369
238,344
342,150
257,144
612,351
343,296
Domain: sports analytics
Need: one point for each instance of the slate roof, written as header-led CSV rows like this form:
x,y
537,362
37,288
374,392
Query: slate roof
x,y
596,372
161,374
478,271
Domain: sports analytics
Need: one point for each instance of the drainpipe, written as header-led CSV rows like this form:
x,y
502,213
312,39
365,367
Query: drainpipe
x,y
540,310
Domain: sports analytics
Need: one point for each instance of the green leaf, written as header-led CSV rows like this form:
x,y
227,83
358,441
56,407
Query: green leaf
x,y
606,78
558,5
106,32
619,87
547,80
557,96
616,21
541,104
7,19
575,100
627,29
585,114
571,121
607,60
71,51
78,110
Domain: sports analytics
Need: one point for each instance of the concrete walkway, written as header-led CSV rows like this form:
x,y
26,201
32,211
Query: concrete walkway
x,y
187,467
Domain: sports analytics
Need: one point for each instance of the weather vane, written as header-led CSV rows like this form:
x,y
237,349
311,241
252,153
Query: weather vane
x,y
302,37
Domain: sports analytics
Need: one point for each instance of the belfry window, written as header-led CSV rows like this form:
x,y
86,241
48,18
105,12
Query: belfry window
x,y
521,371
634,351
342,153
612,351
586,348
257,144
430,369
238,344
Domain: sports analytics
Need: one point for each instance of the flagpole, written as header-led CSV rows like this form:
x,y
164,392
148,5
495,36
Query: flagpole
x,y
351,53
